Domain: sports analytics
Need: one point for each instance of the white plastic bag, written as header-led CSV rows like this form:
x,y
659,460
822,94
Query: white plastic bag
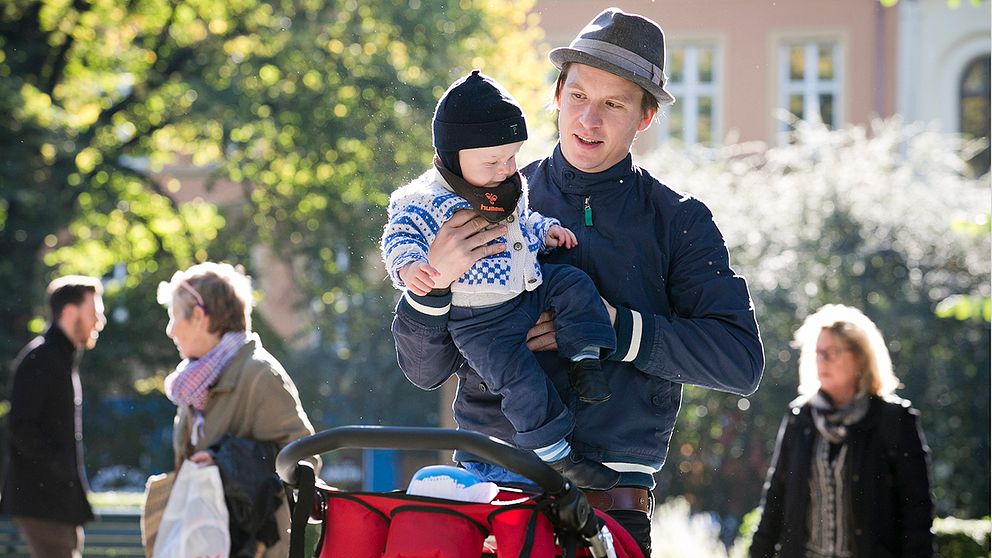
x,y
195,521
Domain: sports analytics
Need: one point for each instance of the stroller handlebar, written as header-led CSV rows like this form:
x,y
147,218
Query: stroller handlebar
x,y
408,437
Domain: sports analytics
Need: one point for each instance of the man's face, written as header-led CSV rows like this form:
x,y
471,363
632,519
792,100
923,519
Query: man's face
x,y
599,115
86,325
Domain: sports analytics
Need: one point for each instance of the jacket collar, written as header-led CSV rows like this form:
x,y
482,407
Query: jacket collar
x,y
573,181
232,371
58,339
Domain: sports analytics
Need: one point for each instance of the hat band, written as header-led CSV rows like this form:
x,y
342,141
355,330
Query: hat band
x,y
623,58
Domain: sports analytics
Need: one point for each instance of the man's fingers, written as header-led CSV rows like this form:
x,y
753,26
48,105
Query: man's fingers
x,y
544,342
481,224
545,316
461,217
487,236
491,249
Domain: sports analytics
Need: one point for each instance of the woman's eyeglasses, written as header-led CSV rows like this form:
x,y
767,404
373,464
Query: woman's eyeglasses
x,y
831,354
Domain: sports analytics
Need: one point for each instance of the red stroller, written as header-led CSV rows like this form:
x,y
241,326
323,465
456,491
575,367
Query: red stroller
x,y
550,521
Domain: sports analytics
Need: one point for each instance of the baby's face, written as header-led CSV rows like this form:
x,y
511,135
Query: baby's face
x,y
485,167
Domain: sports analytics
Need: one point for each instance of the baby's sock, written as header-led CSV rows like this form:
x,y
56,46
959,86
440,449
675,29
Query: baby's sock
x,y
555,451
591,351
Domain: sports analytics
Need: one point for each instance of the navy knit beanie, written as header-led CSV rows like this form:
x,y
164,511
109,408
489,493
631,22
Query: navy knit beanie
x,y
477,112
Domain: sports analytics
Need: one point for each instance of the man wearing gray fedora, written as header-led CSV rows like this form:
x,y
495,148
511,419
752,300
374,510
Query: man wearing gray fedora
x,y
681,314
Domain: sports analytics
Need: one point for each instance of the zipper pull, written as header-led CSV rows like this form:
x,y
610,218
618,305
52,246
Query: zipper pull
x,y
588,212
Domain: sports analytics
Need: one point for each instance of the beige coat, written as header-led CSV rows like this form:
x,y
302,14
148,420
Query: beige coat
x,y
254,398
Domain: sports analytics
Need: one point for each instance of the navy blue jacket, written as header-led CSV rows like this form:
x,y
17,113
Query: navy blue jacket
x,y
891,505
683,316
45,478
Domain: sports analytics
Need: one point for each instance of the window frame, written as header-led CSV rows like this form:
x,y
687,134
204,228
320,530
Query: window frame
x,y
811,86
689,91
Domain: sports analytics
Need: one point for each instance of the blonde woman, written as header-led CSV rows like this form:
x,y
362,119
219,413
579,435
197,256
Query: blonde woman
x,y
227,383
849,477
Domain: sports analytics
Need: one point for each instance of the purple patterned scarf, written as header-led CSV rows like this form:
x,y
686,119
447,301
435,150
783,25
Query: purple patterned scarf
x,y
190,382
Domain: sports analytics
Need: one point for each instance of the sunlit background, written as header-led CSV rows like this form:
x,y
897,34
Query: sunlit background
x,y
843,148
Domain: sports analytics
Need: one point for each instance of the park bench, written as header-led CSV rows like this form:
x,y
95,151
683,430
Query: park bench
x,y
111,534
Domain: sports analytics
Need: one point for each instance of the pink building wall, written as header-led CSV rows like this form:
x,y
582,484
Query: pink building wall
x,y
747,34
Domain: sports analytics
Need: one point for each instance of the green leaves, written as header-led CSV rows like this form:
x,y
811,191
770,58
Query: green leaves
x,y
295,118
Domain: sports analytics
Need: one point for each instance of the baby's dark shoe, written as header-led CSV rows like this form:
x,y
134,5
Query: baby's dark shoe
x,y
586,473
589,381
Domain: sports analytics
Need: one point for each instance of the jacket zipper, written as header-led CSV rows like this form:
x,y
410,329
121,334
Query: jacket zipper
x,y
588,212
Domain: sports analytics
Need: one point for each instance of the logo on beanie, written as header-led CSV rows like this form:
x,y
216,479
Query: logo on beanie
x,y
513,129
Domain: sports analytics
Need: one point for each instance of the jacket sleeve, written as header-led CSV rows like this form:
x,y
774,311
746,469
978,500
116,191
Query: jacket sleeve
x,y
910,466
711,340
769,531
404,238
424,349
538,225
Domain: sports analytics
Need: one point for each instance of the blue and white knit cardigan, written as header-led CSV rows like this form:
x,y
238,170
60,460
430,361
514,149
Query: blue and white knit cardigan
x,y
417,211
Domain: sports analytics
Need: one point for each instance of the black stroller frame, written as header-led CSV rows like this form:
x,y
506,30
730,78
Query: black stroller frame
x,y
566,505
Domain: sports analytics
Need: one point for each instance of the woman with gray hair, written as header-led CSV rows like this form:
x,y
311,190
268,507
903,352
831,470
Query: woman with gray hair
x,y
227,383
849,477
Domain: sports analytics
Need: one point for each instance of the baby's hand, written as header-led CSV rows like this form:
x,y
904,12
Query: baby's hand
x,y
419,277
560,236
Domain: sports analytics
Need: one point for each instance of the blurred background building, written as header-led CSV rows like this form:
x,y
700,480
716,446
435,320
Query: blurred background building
x,y
734,65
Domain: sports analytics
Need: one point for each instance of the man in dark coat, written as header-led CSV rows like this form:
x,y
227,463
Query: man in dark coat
x,y
45,486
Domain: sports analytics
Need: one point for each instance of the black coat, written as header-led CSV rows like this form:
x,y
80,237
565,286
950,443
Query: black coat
x,y
890,490
44,478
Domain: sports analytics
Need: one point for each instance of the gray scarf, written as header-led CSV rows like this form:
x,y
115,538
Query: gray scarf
x,y
831,421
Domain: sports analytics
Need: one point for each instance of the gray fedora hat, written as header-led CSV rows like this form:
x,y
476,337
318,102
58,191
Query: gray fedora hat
x,y
626,45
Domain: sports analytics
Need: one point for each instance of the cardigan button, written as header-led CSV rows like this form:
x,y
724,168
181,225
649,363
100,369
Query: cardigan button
x,y
510,219
517,246
532,280
483,387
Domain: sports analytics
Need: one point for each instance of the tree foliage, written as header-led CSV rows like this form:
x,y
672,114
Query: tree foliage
x,y
309,111
857,216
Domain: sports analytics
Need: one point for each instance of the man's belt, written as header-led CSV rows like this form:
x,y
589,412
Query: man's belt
x,y
629,498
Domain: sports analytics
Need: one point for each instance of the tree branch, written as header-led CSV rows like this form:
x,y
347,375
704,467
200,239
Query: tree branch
x,y
58,60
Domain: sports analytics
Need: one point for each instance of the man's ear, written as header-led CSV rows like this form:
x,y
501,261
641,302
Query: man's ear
x,y
69,314
646,119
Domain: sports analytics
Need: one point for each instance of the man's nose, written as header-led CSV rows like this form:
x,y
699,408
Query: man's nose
x,y
591,116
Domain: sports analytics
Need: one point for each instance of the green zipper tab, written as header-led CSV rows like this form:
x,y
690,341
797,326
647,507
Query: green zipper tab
x,y
588,212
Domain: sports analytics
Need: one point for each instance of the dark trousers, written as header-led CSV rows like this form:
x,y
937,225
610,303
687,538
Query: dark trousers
x,y
638,524
51,539
494,341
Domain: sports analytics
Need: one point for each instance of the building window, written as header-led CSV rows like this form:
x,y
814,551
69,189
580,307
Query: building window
x,y
692,79
810,82
975,114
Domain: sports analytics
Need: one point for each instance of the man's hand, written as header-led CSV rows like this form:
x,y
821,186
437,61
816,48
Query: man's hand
x,y
560,236
461,241
419,277
541,336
